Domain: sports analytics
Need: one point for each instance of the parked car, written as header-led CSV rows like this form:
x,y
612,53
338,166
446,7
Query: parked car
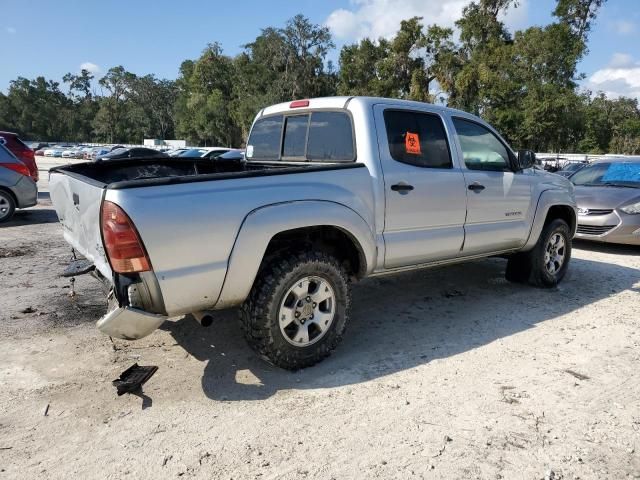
x,y
333,190
135,152
204,152
96,152
608,198
176,152
232,155
70,153
58,151
37,145
21,151
17,187
571,168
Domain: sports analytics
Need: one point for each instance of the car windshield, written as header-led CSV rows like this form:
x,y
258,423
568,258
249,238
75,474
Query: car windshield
x,y
572,167
615,174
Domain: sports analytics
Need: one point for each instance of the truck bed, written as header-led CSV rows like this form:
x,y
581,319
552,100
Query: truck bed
x,y
134,173
189,214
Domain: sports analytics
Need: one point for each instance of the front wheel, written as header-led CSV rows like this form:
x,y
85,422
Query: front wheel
x,y
547,263
297,310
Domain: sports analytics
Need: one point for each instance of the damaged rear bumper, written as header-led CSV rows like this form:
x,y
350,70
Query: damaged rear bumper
x,y
129,323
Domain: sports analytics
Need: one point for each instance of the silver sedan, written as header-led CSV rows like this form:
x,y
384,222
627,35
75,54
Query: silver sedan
x,y
608,198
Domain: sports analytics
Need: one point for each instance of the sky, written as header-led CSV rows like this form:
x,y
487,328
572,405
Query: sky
x,y
53,37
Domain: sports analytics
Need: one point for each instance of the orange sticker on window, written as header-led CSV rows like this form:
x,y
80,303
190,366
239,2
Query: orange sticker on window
x,y
412,143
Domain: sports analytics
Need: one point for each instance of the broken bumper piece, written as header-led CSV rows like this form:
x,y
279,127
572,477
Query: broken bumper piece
x,y
132,379
129,323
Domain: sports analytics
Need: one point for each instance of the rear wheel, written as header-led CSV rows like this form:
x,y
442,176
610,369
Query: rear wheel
x,y
297,311
546,264
7,206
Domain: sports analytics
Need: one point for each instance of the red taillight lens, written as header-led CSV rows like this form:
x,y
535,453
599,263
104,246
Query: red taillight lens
x,y
17,167
299,104
29,158
122,242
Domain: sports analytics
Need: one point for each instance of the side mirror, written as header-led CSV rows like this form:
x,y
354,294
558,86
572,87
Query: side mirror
x,y
526,159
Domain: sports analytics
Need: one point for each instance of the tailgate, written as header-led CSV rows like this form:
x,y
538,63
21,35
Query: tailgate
x,y
77,203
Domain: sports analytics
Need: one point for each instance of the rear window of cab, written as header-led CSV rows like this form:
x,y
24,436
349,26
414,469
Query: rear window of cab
x,y
320,136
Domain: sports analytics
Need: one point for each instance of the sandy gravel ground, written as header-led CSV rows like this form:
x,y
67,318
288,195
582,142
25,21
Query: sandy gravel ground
x,y
449,373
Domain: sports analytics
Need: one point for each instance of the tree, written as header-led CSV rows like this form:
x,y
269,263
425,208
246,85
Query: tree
x,y
110,121
525,83
406,66
83,107
205,94
35,109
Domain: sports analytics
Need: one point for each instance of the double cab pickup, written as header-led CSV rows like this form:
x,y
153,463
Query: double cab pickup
x,y
330,190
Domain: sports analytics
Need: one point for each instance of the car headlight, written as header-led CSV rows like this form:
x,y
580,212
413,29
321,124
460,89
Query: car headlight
x,y
632,209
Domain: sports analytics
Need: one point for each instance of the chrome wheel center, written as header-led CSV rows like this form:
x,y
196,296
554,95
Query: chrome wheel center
x,y
555,252
307,311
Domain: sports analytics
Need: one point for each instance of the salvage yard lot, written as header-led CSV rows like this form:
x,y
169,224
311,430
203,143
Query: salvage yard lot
x,y
445,373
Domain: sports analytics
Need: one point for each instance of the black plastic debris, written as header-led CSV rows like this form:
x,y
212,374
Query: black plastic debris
x,y
133,378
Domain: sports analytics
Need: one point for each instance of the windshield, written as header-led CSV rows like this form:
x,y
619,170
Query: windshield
x,y
573,166
623,174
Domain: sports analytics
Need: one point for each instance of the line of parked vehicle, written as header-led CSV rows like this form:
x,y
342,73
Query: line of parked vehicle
x,y
93,153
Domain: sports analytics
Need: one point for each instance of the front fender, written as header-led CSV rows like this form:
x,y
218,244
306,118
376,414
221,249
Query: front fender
x,y
548,199
262,224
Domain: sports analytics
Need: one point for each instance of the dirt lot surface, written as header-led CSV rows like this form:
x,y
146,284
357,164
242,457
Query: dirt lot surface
x,y
450,373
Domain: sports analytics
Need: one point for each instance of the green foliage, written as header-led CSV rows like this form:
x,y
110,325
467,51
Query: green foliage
x,y
525,84
35,108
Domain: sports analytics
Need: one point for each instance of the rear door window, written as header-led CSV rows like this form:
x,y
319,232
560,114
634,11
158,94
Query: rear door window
x,y
417,138
264,143
330,137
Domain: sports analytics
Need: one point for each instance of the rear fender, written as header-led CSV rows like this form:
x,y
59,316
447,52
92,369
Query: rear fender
x,y
261,225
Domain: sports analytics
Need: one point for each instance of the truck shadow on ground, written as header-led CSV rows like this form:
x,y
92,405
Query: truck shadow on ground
x,y
401,322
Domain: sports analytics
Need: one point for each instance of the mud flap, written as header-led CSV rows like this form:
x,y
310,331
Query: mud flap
x,y
129,323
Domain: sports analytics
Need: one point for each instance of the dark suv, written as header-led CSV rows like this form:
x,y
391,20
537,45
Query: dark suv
x,y
20,150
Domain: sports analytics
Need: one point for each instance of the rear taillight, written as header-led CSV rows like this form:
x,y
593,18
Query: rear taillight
x,y
121,241
17,167
27,156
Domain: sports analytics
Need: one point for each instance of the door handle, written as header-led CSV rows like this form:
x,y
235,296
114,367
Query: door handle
x,y
476,187
402,187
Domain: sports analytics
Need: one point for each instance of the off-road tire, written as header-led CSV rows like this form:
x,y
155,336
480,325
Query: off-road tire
x,y
7,201
259,313
529,266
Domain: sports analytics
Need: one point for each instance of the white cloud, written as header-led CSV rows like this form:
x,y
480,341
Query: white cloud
x,y
90,67
381,18
11,30
621,77
623,27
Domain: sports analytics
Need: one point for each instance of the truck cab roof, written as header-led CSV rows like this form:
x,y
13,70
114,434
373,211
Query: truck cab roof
x,y
344,101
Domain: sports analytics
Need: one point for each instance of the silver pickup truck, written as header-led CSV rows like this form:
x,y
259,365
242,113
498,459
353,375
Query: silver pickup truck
x,y
332,190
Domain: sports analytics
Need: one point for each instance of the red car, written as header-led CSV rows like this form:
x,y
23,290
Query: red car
x,y
20,150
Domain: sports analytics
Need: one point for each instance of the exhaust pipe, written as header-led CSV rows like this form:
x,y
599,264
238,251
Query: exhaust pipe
x,y
204,318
